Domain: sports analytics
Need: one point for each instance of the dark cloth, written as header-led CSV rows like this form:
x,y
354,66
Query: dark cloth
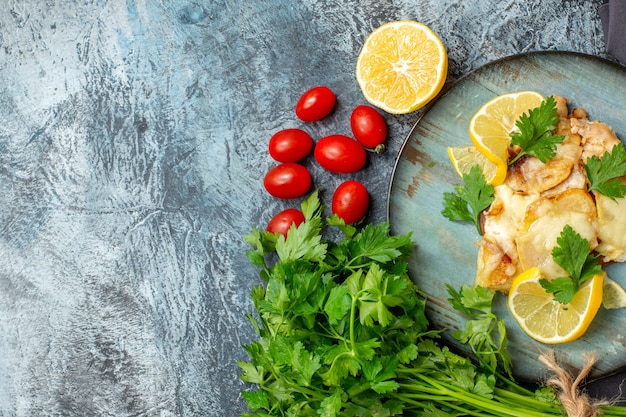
x,y
613,18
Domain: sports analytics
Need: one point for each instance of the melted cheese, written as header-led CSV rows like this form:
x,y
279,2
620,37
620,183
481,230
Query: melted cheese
x,y
505,217
535,245
611,228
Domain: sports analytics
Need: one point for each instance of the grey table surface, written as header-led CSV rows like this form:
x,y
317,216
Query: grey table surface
x,y
133,141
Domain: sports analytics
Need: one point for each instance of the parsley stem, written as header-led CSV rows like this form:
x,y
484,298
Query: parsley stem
x,y
482,403
352,320
515,398
358,389
613,411
439,399
308,393
515,158
524,399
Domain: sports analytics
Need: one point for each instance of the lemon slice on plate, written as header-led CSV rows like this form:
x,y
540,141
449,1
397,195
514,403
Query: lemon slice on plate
x,y
613,294
492,124
547,320
463,158
402,66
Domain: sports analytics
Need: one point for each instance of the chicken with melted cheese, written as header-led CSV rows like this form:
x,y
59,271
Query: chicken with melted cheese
x,y
537,200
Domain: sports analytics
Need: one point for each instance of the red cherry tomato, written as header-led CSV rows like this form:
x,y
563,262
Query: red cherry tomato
x,y
368,127
315,104
283,220
339,153
350,201
290,145
288,180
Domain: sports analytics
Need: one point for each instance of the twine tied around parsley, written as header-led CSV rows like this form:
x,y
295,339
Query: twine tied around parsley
x,y
575,402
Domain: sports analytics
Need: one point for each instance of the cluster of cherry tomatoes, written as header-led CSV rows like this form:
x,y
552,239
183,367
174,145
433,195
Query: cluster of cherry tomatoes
x,y
335,153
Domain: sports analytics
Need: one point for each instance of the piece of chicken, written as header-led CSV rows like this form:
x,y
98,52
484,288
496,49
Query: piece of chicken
x,y
596,137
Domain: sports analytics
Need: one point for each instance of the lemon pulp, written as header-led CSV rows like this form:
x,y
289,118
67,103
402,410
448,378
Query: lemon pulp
x,y
402,66
547,320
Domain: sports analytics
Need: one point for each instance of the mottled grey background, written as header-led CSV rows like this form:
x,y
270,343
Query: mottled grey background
x,y
133,141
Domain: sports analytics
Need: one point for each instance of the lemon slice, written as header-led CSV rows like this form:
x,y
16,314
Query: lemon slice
x,y
613,294
492,124
545,319
463,158
402,66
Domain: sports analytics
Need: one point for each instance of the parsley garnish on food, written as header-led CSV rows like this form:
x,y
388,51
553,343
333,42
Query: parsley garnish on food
x,y
573,254
604,173
468,201
535,132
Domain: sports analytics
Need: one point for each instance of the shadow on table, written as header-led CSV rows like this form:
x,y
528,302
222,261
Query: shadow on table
x,y
611,388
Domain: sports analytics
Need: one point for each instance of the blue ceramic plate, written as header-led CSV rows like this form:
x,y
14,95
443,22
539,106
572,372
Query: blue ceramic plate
x,y
445,251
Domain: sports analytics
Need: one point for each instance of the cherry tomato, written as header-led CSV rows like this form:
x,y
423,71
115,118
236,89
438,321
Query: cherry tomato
x,y
339,153
288,180
350,201
369,127
315,104
290,145
283,220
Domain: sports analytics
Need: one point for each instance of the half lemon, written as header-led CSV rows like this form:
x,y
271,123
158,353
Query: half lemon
x,y
547,320
613,295
463,158
402,66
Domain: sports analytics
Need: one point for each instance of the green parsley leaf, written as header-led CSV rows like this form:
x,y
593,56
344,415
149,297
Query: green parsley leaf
x,y
469,200
535,132
304,364
407,354
306,241
331,406
256,400
342,365
563,288
347,229
251,373
338,304
305,244
484,332
374,243
574,255
604,173
264,242
470,299
379,371
374,300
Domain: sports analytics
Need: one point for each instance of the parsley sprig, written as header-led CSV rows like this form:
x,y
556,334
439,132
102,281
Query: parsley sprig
x,y
535,135
469,200
574,255
484,332
604,173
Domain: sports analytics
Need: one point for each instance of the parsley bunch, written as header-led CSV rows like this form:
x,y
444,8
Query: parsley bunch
x,y
335,320
342,331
